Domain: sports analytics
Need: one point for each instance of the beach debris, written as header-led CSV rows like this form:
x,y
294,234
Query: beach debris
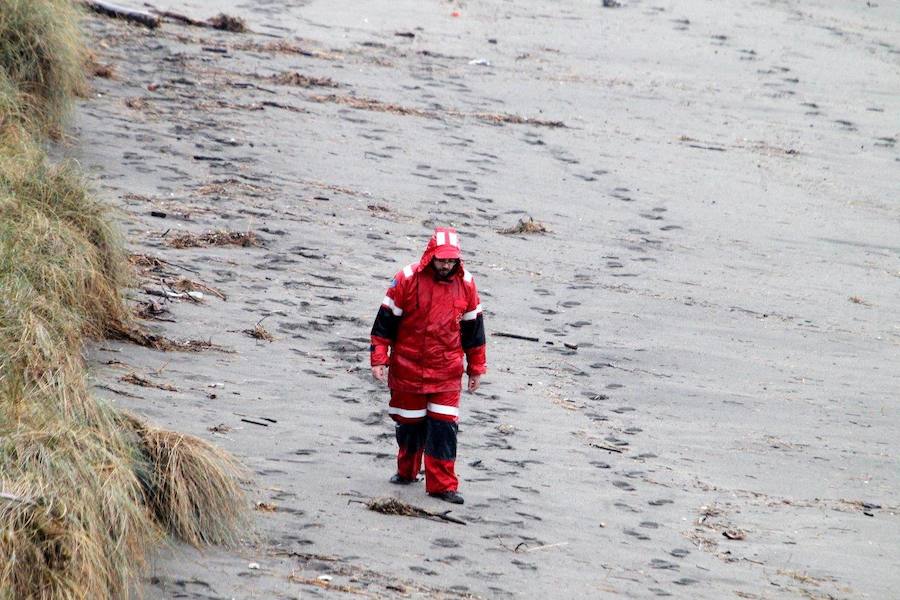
x,y
523,226
97,69
859,300
214,238
480,62
172,295
515,336
735,534
611,4
253,566
325,582
224,22
221,21
220,428
135,379
259,332
252,422
152,310
523,547
393,506
406,34
607,447
195,287
305,81
284,47
266,507
372,104
121,12
139,336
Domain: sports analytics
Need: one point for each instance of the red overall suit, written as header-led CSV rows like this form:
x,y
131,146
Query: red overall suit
x,y
424,327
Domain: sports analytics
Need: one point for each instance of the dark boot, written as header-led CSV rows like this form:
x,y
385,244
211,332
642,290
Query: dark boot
x,y
451,496
400,480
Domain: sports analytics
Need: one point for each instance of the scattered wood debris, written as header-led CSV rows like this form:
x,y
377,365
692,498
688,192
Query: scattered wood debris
x,y
135,379
393,506
221,21
187,285
220,428
214,238
523,226
305,81
140,337
227,186
285,47
397,109
325,583
266,507
859,300
511,119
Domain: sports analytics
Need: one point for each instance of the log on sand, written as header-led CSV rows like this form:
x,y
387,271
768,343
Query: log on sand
x,y
121,12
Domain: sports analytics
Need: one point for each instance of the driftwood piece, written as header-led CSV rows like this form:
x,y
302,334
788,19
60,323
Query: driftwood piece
x,y
393,506
515,336
121,12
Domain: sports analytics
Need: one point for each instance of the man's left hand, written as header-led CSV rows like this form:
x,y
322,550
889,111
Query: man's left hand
x,y
474,382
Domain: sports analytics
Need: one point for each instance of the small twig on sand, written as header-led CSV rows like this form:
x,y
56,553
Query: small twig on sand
x,y
515,336
536,548
606,447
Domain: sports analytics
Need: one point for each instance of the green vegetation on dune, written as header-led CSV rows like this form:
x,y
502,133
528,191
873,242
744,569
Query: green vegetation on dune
x,y
42,56
85,490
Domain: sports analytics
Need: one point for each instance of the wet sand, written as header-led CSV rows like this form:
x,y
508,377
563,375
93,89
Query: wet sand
x,y
711,408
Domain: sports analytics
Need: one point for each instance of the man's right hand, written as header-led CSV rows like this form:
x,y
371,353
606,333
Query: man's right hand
x,y
379,372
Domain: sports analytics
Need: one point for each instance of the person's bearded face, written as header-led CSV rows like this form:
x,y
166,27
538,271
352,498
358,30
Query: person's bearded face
x,y
444,266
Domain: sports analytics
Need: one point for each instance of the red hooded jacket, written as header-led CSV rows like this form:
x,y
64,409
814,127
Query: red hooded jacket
x,y
426,324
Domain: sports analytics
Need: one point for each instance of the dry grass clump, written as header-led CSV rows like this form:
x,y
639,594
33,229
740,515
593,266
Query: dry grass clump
x,y
42,54
72,514
191,486
523,226
214,238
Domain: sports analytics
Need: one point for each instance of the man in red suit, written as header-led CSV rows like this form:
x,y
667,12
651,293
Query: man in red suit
x,y
430,319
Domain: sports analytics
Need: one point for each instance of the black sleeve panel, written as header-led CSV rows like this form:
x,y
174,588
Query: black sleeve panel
x,y
472,332
386,324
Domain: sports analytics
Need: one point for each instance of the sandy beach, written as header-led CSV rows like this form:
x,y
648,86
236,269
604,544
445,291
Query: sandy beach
x,y
710,408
